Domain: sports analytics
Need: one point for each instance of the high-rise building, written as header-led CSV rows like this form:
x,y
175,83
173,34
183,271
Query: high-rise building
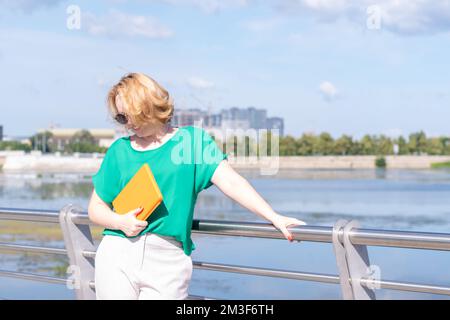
x,y
257,118
1,133
228,119
276,123
213,120
234,118
187,117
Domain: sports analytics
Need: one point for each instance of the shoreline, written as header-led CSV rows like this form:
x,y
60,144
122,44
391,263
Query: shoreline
x,y
35,163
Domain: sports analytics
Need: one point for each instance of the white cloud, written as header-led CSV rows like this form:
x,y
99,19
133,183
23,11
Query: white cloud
x,y
118,24
261,25
199,83
399,16
209,6
328,90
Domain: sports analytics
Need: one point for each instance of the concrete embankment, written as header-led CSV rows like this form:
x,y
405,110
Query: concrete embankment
x,y
21,163
349,162
50,164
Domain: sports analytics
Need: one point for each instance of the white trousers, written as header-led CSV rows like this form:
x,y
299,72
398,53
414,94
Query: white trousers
x,y
147,267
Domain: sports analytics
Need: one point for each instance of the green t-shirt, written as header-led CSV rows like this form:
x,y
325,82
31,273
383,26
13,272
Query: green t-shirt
x,y
183,166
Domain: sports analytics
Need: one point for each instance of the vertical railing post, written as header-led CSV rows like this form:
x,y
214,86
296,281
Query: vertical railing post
x,y
358,264
353,263
77,238
341,260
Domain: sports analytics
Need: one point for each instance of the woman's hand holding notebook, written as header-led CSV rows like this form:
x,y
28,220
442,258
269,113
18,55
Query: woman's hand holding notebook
x,y
141,191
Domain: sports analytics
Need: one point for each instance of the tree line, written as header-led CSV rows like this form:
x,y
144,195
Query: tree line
x,y
82,141
323,144
309,144
306,145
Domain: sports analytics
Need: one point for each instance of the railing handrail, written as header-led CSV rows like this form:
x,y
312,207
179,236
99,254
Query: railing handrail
x,y
358,236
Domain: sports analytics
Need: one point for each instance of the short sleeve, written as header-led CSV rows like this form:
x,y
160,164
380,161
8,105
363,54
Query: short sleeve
x,y
106,180
208,155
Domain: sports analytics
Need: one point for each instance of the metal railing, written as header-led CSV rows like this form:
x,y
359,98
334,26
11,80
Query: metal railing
x,y
356,276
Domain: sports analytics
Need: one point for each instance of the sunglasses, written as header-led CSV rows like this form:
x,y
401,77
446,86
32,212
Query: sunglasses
x,y
121,118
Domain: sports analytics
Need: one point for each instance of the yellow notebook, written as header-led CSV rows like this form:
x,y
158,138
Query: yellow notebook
x,y
141,191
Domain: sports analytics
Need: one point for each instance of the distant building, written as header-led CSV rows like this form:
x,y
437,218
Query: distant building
x,y
187,117
276,123
228,119
257,118
212,120
1,133
61,136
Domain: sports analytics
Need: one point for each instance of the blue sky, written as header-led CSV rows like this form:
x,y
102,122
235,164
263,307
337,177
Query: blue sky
x,y
315,63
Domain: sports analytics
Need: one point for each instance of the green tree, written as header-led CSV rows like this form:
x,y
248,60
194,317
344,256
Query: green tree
x,y
402,145
82,141
380,162
288,146
384,146
306,144
266,139
417,143
446,144
14,145
357,148
344,145
324,144
435,146
367,145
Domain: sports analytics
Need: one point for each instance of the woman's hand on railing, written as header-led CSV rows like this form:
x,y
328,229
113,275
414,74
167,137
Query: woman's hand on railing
x,y
129,224
282,222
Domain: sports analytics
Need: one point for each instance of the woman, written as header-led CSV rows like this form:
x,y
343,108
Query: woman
x,y
151,259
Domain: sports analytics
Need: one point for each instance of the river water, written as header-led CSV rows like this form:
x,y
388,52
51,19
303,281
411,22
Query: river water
x,y
416,200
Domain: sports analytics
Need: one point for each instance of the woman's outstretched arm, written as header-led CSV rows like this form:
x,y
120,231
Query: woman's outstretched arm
x,y
239,189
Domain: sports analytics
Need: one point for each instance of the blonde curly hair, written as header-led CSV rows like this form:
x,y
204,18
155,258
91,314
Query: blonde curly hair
x,y
145,99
